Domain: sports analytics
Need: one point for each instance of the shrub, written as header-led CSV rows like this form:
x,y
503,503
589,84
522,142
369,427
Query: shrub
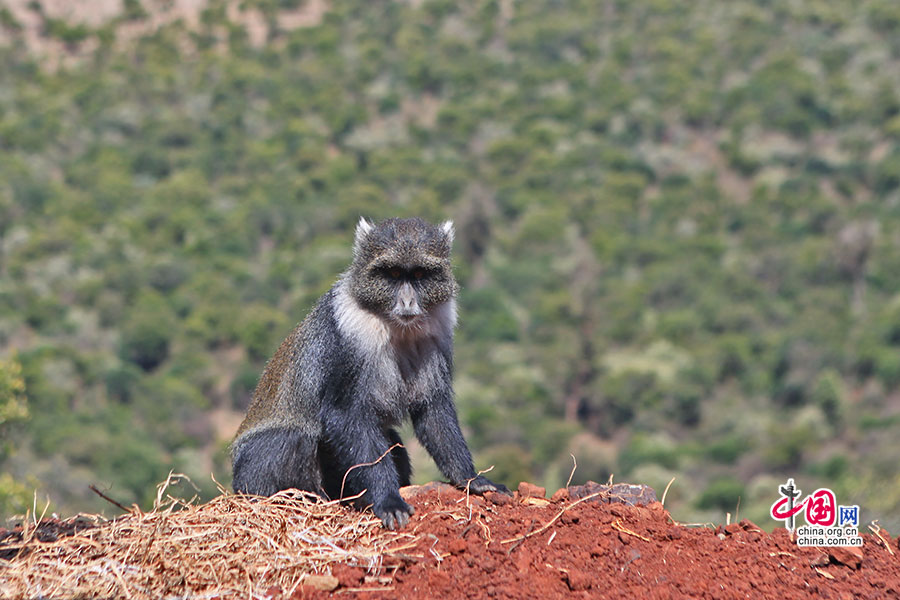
x,y
723,493
148,331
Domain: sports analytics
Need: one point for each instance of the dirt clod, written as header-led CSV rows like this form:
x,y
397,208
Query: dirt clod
x,y
498,498
325,583
579,580
849,556
560,495
348,576
529,490
457,546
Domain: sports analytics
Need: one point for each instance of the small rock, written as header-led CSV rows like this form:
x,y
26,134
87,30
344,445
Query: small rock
x,y
529,490
488,565
457,546
348,576
624,493
576,492
536,501
498,498
560,495
578,581
819,560
748,525
569,518
325,583
850,556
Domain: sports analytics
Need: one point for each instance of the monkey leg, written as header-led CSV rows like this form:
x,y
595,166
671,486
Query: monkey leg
x,y
355,460
276,459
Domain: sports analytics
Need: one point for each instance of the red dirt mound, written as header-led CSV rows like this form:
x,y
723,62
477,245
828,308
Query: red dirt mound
x,y
476,548
586,541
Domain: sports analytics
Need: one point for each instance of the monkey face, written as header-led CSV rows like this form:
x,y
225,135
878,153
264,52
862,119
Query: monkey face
x,y
412,289
402,270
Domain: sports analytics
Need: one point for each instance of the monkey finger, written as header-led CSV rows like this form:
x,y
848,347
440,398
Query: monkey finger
x,y
499,487
395,520
482,484
393,512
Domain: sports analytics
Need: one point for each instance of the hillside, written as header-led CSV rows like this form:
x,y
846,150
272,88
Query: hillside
x,y
678,232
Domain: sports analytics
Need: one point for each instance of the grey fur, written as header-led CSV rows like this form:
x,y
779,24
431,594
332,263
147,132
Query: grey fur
x,y
376,349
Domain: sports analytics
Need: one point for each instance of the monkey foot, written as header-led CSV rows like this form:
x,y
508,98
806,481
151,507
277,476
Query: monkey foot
x,y
393,512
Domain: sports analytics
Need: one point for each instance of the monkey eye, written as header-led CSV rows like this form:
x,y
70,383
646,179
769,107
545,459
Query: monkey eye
x,y
394,273
418,273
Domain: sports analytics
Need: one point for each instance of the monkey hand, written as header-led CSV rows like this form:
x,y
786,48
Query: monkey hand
x,y
482,484
393,511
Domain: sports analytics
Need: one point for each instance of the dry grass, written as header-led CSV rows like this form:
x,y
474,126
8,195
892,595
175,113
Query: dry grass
x,y
230,546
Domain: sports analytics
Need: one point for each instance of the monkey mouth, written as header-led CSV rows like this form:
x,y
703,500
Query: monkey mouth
x,y
408,319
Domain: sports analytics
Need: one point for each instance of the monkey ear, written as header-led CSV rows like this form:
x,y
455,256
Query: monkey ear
x,y
447,229
363,228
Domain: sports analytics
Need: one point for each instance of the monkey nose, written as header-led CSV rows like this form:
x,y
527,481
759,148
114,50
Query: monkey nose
x,y
407,313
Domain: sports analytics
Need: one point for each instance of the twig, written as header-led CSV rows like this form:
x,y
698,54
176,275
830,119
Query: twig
x,y
875,528
470,480
572,473
521,541
488,537
94,489
222,490
368,464
666,491
617,525
554,519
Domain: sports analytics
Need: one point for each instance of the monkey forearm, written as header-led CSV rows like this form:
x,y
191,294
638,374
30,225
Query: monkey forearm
x,y
373,473
437,428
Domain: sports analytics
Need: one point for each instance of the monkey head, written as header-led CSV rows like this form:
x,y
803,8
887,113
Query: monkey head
x,y
401,269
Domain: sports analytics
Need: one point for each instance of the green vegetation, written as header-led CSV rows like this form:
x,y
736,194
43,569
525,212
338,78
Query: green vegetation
x,y
678,234
14,495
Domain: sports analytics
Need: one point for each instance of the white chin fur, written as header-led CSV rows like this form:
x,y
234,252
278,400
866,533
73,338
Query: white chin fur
x,y
368,331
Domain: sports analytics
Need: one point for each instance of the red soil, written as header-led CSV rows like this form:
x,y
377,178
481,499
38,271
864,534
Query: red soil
x,y
603,550
581,545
